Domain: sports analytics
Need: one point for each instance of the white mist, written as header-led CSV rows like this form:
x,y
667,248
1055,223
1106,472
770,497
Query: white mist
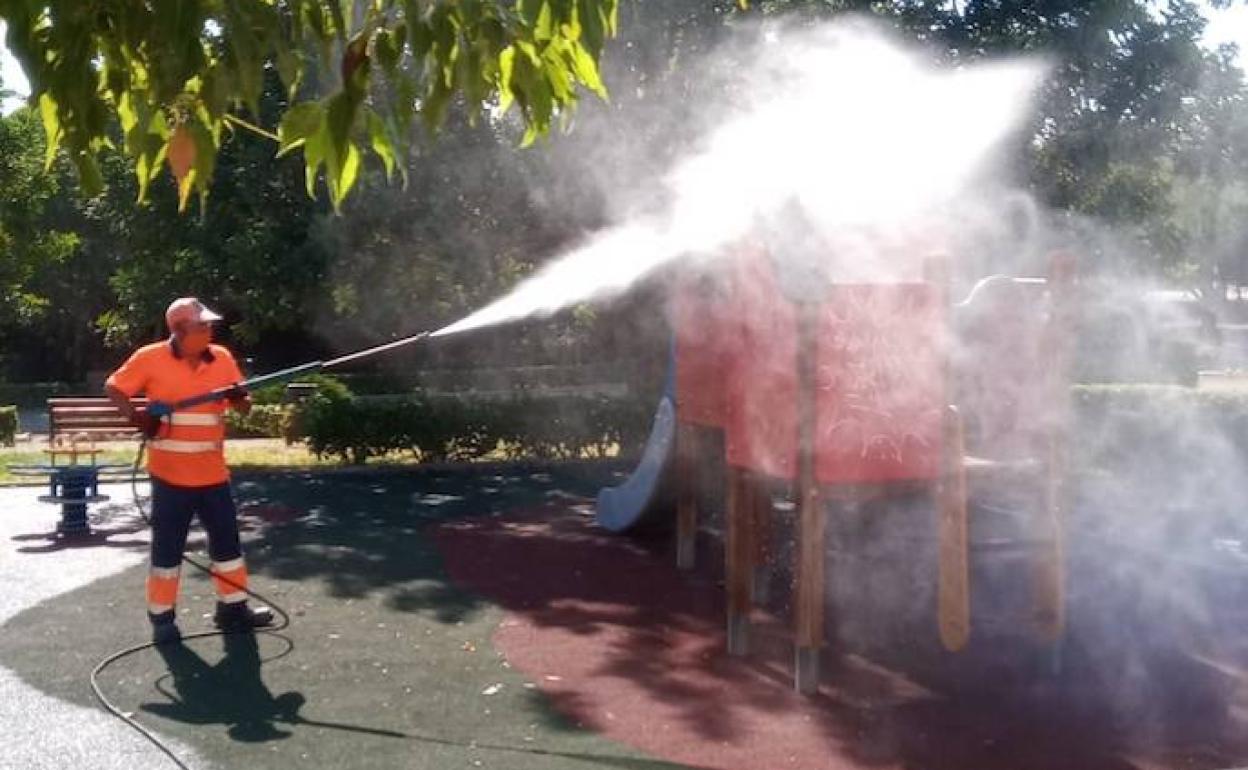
x,y
839,121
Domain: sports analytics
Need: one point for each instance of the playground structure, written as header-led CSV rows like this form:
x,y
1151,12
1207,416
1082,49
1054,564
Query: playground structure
x,y
823,418
76,425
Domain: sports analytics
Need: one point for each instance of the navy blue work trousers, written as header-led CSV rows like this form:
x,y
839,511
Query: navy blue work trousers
x,y
174,507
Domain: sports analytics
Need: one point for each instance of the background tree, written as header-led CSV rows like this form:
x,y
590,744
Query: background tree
x,y
1140,128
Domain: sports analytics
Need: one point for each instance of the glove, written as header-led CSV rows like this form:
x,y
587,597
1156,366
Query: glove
x,y
147,423
236,395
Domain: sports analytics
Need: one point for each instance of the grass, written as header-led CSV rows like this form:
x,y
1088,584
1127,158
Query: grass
x,y
241,454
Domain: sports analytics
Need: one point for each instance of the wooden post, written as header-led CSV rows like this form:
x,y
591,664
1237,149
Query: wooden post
x,y
811,551
760,533
954,587
687,477
953,593
1050,577
737,555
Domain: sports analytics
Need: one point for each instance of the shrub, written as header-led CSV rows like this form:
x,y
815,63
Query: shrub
x,y
457,428
263,421
325,383
8,425
36,393
1141,426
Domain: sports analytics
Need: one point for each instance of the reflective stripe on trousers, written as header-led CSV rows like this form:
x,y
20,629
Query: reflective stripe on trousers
x,y
162,589
230,578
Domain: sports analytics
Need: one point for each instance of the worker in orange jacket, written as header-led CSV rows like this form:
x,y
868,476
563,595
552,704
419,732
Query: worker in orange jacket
x,y
186,462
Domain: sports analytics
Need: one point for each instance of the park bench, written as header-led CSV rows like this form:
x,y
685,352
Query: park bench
x,y
75,428
94,418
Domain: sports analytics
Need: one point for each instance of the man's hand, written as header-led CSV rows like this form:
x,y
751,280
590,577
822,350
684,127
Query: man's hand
x,y
147,423
239,399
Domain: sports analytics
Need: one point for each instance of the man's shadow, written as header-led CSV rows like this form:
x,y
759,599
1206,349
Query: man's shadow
x,y
229,693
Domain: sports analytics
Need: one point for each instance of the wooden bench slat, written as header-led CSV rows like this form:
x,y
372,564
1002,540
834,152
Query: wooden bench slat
x,y
94,423
92,417
95,409
84,401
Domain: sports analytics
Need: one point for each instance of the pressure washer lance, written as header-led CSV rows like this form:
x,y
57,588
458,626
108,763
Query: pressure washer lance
x,y
220,394
159,410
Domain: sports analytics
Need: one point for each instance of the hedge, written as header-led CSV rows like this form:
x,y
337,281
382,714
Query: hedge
x,y
36,393
8,425
1160,428
325,383
264,421
455,428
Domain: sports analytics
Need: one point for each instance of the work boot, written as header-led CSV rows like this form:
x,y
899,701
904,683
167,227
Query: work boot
x,y
237,616
165,628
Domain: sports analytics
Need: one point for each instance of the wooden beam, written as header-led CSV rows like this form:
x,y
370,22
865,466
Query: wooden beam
x,y
687,476
811,550
1050,567
953,592
953,609
738,561
760,532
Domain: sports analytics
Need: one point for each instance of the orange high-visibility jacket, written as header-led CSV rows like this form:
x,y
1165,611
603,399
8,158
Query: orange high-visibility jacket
x,y
190,448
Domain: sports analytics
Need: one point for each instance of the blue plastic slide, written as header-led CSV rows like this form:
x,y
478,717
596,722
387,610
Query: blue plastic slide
x,y
646,493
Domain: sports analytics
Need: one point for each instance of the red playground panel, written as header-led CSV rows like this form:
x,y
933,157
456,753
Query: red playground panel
x,y
880,384
702,318
761,383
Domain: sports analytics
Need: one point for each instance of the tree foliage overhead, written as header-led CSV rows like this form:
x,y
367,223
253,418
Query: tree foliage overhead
x,y
179,74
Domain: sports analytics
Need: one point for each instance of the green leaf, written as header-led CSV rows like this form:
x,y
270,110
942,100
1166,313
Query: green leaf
x,y
506,65
341,176
379,137
88,173
389,47
315,148
340,20
342,157
421,35
586,70
51,127
350,171
300,122
592,31
214,90
561,88
289,69
530,10
339,117
205,159
436,101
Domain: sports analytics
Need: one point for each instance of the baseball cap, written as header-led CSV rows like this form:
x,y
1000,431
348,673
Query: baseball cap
x,y
189,309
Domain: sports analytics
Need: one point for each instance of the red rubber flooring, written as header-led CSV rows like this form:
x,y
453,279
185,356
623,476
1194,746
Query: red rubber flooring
x,y
626,645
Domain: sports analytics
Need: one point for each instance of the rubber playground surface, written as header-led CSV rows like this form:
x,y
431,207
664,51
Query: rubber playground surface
x,y
456,619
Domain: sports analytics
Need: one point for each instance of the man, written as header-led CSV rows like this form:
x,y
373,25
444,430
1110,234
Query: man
x,y
186,462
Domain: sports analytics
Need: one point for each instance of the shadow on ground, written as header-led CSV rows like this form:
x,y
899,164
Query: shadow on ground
x,y
385,664
112,526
